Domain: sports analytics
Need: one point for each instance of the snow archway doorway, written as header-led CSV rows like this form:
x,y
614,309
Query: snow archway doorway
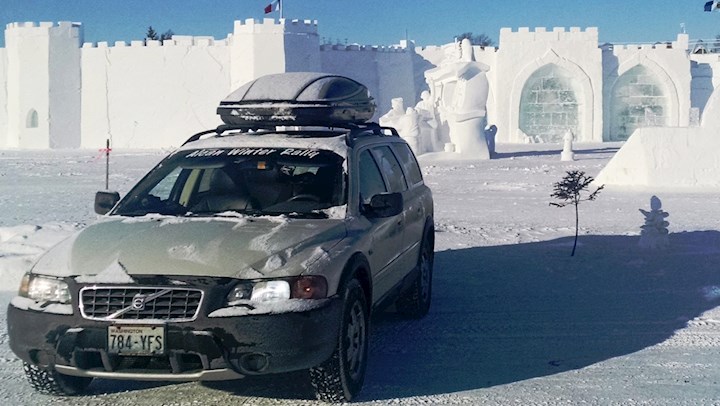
x,y
638,100
31,121
550,105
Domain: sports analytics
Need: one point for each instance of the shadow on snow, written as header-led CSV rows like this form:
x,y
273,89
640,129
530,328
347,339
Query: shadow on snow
x,y
504,314
554,152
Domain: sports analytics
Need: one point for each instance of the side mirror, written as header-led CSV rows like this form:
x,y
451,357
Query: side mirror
x,y
105,201
384,205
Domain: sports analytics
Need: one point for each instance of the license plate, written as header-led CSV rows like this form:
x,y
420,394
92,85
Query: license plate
x,y
136,340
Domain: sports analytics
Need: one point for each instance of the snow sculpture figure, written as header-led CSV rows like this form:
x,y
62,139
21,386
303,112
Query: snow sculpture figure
x,y
567,153
392,117
409,129
428,123
406,122
467,117
462,88
490,133
654,234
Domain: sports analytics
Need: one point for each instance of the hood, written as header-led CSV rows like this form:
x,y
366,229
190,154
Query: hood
x,y
237,247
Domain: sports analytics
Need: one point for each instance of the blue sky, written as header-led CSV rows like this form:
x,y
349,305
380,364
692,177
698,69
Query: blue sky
x,y
375,22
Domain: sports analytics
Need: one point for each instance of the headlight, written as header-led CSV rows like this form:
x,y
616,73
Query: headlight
x,y
301,287
270,291
44,289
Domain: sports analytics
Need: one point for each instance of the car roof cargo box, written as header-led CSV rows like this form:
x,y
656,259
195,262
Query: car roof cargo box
x,y
297,99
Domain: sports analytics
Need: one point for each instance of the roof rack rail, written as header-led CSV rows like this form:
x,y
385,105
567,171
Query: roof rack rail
x,y
356,131
359,130
200,135
222,128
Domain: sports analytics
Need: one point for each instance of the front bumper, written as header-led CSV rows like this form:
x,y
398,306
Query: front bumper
x,y
217,348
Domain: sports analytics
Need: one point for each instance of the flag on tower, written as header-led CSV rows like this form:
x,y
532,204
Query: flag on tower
x,y
274,6
712,5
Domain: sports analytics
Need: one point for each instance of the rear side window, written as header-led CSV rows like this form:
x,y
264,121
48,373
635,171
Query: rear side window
x,y
409,163
390,166
371,181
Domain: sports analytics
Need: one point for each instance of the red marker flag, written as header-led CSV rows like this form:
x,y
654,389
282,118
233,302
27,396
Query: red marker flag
x,y
274,6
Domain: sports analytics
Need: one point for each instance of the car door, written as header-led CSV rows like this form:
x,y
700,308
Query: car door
x,y
417,202
385,243
396,183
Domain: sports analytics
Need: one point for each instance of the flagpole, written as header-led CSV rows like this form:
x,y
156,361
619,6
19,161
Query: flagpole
x,y
280,5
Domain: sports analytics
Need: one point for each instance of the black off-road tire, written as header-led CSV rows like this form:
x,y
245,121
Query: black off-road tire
x,y
414,302
341,377
49,381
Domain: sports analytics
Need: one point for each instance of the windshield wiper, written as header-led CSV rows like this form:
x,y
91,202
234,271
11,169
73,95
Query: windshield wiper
x,y
307,215
137,213
226,213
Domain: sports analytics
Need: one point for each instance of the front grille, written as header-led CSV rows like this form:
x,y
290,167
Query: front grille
x,y
139,303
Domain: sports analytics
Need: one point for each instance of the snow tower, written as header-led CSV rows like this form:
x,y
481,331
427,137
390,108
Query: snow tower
x,y
273,46
43,85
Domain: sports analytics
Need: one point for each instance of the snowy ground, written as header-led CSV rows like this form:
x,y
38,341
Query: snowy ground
x,y
515,319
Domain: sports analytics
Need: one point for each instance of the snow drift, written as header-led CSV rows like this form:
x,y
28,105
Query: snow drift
x,y
666,157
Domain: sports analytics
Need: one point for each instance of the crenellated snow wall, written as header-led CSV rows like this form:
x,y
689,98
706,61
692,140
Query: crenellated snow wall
x,y
57,93
148,95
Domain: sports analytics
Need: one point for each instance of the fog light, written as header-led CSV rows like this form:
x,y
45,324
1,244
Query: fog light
x,y
254,362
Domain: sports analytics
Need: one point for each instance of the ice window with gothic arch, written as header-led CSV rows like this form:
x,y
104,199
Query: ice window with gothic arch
x,y
638,100
550,105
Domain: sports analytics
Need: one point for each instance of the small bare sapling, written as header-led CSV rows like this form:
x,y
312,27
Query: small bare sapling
x,y
570,190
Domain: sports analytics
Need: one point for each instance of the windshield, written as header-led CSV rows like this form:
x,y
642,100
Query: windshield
x,y
268,181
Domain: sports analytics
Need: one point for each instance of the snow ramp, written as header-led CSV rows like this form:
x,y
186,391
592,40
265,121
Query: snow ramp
x,y
666,157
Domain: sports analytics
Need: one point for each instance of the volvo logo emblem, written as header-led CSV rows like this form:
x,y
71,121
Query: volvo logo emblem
x,y
138,302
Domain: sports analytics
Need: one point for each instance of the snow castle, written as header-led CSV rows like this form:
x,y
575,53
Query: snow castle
x,y
58,92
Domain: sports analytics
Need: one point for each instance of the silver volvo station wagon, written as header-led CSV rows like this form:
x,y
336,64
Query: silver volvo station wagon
x,y
261,246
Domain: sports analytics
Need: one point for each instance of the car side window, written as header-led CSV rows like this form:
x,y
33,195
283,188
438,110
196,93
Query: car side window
x,y
409,163
371,181
391,168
